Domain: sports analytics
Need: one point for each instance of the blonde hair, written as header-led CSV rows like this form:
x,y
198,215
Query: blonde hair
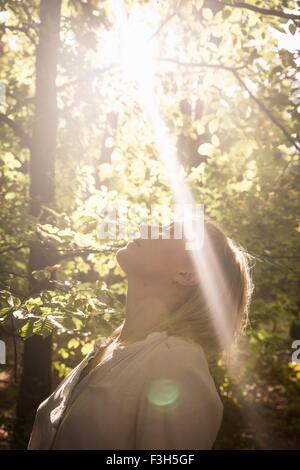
x,y
193,318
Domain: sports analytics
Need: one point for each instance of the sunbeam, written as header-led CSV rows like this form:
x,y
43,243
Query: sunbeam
x,y
206,264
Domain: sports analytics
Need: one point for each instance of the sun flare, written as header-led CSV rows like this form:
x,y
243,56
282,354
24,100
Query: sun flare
x,y
132,45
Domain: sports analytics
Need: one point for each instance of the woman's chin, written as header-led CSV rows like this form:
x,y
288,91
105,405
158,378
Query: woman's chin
x,y
122,258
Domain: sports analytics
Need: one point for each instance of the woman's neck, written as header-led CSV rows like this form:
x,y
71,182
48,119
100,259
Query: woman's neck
x,y
146,307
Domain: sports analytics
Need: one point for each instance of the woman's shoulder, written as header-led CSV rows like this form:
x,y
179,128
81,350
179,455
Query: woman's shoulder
x,y
176,355
178,363
177,346
180,342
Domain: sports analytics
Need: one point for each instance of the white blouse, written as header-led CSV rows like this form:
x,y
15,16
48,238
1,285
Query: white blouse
x,y
156,393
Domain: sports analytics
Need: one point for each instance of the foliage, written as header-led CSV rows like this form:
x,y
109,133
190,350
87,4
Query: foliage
x,y
228,88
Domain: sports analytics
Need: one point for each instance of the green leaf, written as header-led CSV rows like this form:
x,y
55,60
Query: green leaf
x,y
73,343
199,4
43,327
207,14
77,322
226,13
41,275
19,314
292,28
213,126
86,348
10,299
26,331
55,322
32,303
206,149
63,353
4,312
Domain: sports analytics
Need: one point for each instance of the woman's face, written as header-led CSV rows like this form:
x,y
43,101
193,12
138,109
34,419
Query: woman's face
x,y
155,258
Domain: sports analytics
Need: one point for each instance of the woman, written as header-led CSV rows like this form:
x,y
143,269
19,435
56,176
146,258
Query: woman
x,y
149,386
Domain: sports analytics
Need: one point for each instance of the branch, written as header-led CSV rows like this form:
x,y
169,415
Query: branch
x,y
20,29
85,76
169,16
272,261
69,253
261,105
24,138
13,291
78,80
10,273
294,257
270,115
15,349
202,64
13,248
262,11
165,21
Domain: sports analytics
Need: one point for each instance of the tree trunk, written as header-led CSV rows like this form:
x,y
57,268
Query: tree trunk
x,y
35,383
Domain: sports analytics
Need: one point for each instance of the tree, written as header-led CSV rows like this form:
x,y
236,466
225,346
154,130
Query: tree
x,y
35,383
227,80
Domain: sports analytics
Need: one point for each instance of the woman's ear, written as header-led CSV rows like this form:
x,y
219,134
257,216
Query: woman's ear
x,y
186,278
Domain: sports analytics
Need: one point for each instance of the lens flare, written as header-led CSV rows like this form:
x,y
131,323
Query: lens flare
x,y
163,392
136,50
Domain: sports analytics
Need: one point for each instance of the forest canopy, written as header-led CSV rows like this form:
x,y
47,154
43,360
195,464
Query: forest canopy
x,y
102,102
